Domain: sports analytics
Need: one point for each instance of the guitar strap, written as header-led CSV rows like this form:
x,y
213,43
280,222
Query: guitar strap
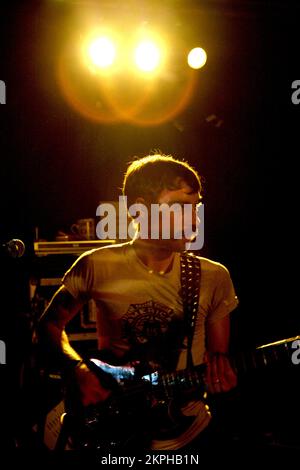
x,y
190,269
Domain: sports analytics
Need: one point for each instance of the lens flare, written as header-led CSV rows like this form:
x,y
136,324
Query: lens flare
x,y
102,52
197,58
147,56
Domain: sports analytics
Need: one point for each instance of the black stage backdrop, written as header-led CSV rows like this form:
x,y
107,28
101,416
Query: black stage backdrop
x,y
57,165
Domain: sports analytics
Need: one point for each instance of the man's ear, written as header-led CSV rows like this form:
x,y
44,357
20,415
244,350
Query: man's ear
x,y
143,202
140,200
142,213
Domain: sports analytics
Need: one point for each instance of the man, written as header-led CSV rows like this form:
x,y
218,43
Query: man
x,y
137,290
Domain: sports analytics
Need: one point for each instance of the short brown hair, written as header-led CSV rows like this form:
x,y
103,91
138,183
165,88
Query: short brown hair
x,y
147,176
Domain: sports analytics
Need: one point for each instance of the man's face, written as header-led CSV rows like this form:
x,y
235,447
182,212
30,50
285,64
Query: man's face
x,y
182,222
174,224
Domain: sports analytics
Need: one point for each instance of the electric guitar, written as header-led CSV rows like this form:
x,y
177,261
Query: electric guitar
x,y
146,406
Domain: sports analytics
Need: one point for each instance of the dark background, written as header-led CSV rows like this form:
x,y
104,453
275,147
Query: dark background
x,y
56,165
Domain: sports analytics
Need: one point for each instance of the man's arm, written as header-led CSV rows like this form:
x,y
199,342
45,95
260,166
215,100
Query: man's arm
x,y
220,376
53,338
51,330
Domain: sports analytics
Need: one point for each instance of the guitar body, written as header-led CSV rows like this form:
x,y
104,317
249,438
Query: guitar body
x,y
116,424
139,410
153,406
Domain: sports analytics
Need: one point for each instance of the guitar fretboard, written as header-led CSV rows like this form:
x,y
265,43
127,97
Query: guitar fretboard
x,y
267,355
170,383
177,381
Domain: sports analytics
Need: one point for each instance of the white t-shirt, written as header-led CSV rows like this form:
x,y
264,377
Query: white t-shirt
x,y
140,314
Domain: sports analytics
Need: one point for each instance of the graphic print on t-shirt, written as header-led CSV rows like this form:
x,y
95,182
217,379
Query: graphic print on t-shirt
x,y
152,328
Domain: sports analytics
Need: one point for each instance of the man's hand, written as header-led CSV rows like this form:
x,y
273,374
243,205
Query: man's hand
x,y
219,376
91,391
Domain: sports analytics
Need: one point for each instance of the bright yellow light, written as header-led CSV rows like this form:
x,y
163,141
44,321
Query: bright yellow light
x,y
147,56
197,58
102,52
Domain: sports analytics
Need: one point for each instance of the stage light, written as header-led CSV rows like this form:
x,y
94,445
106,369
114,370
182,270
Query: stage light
x,y
147,56
131,73
102,52
197,58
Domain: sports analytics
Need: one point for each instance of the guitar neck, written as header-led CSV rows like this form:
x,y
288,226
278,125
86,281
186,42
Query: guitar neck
x,y
170,383
178,381
267,355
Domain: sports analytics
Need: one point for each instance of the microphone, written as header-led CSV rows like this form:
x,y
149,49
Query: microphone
x,y
14,248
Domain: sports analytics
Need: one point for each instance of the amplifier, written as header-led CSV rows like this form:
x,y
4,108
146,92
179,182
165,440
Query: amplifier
x,y
74,247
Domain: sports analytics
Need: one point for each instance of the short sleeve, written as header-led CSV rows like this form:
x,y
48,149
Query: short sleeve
x,y
79,278
224,298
